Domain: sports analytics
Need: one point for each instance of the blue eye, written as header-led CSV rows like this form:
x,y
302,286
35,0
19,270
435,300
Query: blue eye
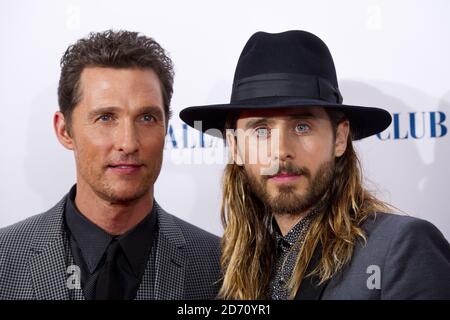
x,y
301,128
105,117
148,118
262,132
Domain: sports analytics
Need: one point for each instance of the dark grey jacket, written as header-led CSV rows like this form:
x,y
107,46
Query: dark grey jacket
x,y
35,255
404,258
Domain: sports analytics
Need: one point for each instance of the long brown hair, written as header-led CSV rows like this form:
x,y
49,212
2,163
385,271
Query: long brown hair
x,y
248,245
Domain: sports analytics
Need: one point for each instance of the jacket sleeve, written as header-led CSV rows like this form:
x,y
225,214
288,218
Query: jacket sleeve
x,y
417,264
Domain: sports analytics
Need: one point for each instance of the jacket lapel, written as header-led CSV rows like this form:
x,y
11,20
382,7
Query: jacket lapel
x,y
169,262
310,288
48,265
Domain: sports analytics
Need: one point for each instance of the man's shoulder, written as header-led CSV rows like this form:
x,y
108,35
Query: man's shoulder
x,y
388,225
389,232
398,250
408,249
393,237
20,233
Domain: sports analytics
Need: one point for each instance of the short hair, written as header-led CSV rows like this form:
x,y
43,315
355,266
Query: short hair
x,y
112,49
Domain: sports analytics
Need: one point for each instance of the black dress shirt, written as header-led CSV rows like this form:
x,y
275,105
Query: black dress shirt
x,y
89,245
287,249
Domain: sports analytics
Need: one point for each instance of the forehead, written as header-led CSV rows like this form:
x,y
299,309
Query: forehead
x,y
245,116
101,82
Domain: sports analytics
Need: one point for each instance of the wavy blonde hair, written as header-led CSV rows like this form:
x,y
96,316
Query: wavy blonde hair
x,y
248,247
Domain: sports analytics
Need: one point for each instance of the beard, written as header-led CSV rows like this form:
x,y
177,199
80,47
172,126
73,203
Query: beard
x,y
286,200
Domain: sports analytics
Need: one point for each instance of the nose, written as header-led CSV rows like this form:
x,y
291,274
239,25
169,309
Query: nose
x,y
283,145
127,140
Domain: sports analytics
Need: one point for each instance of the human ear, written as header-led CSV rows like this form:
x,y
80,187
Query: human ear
x,y
340,143
62,131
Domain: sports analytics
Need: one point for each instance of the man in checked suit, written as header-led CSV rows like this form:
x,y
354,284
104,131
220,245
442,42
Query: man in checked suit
x,y
108,238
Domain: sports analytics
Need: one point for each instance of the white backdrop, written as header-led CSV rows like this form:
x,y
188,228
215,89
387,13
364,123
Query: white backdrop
x,y
391,54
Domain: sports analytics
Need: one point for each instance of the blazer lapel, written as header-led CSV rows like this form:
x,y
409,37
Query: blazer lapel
x,y
48,263
310,288
169,262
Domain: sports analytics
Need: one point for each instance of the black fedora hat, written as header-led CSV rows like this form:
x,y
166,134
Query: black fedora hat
x,y
288,69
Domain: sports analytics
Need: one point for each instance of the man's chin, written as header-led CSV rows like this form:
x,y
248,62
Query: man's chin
x,y
288,201
118,196
288,191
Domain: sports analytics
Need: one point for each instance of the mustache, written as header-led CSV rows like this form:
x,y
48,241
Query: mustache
x,y
289,168
126,159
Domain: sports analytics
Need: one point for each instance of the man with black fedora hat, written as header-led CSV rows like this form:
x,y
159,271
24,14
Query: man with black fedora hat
x,y
298,222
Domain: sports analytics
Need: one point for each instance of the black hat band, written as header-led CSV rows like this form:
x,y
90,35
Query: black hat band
x,y
285,85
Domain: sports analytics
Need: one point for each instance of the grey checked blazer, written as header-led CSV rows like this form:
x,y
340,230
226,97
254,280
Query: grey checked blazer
x,y
35,254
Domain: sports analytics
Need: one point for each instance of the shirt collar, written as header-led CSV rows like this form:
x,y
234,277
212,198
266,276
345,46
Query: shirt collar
x,y
297,231
93,241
